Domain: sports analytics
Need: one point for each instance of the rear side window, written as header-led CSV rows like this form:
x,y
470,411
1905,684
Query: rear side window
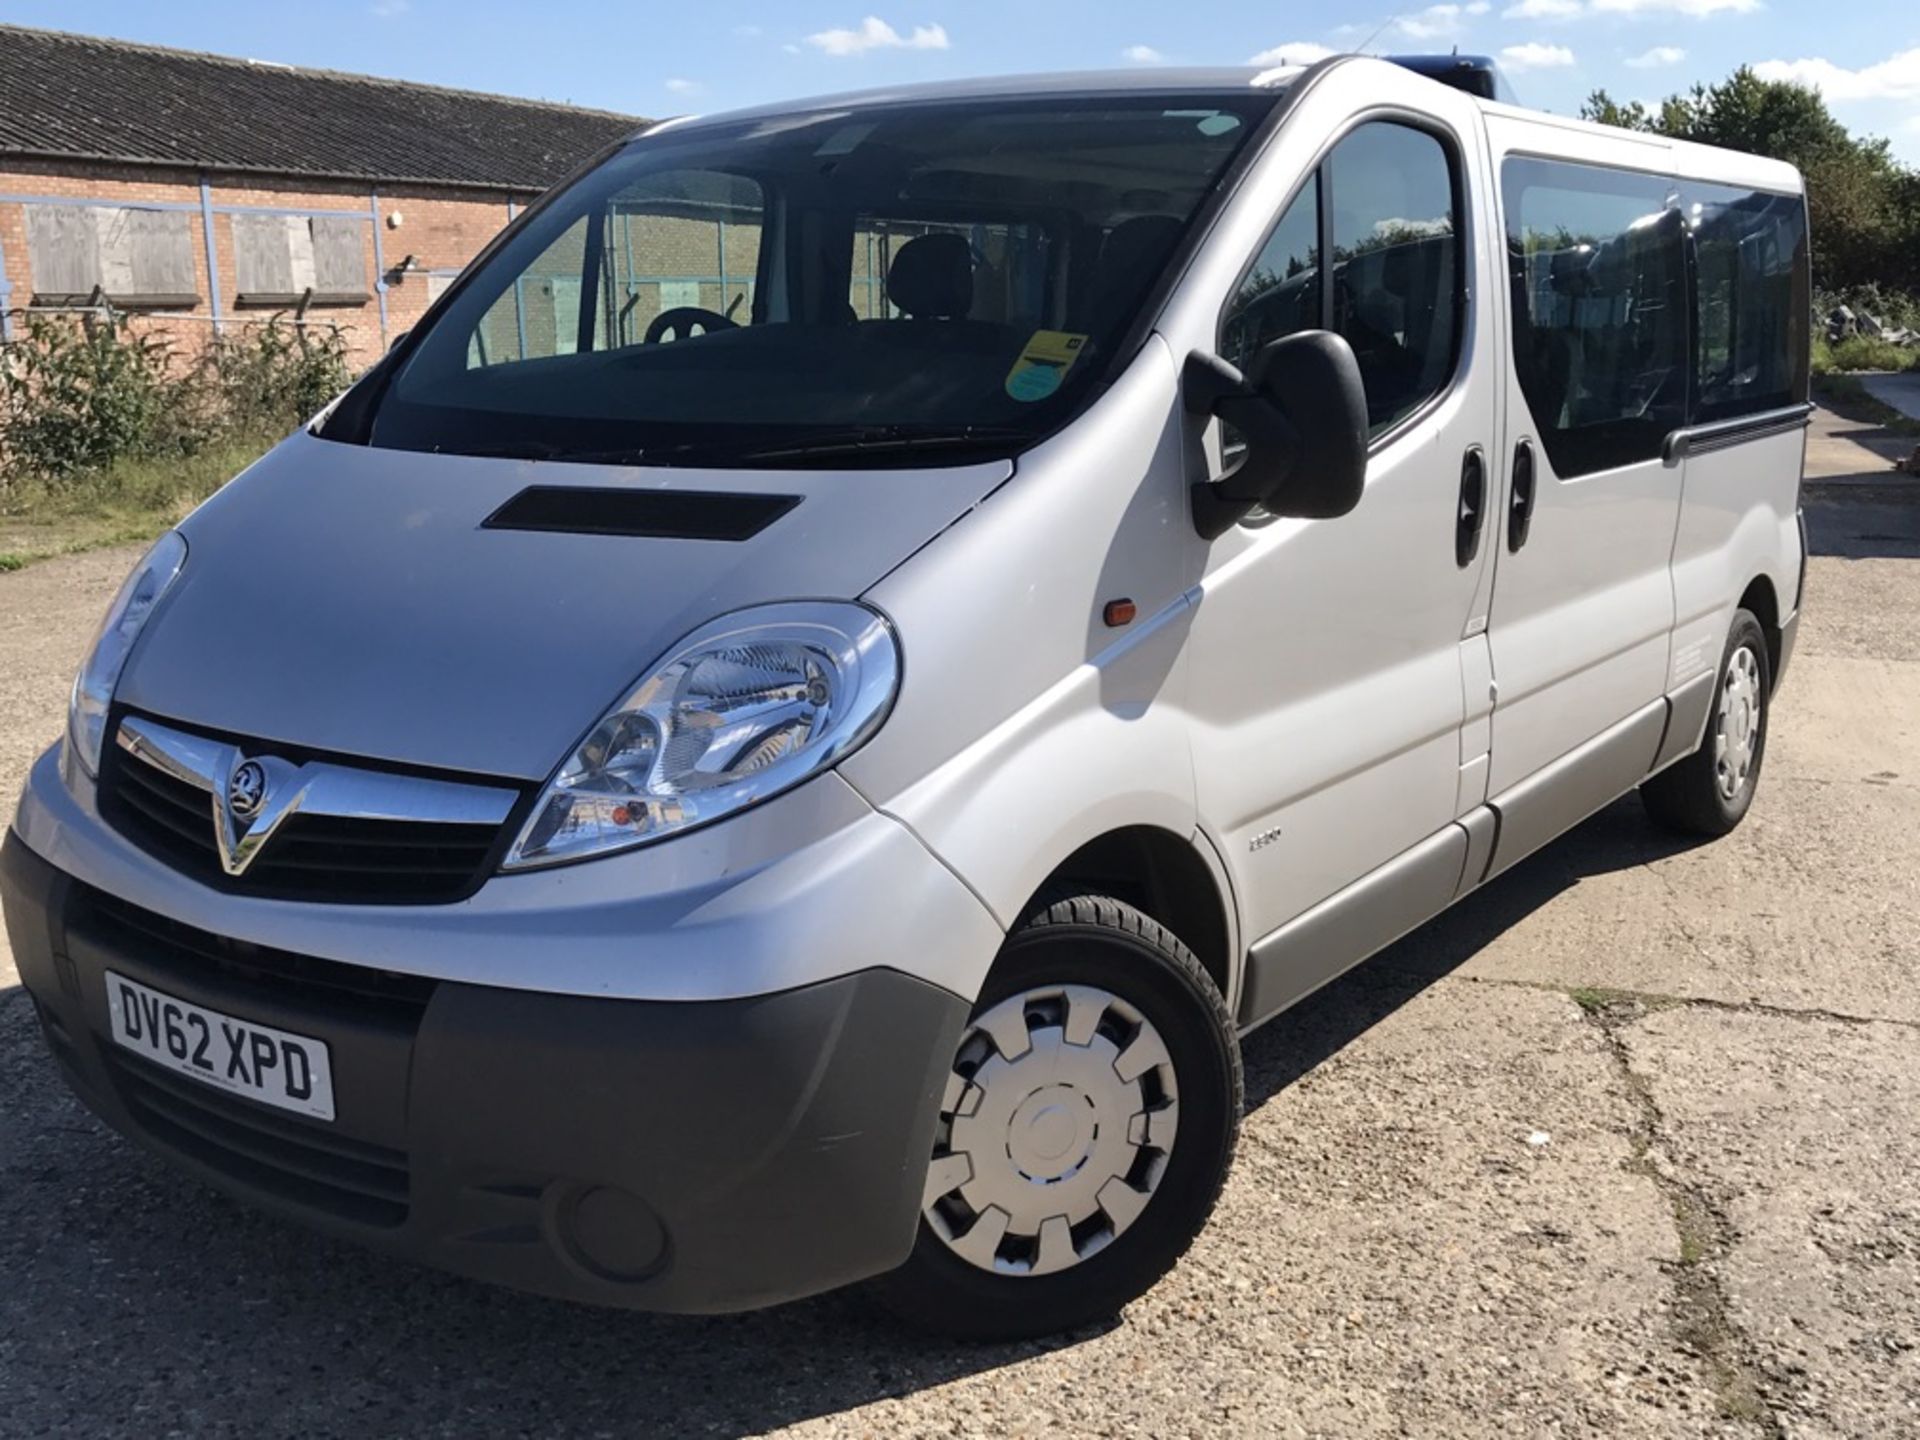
x,y
1750,255
1384,205
1598,262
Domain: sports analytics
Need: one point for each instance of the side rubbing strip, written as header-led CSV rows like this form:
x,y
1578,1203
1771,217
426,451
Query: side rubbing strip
x,y
1725,434
1318,947
655,514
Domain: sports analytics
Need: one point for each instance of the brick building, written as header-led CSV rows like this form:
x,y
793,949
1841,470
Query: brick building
x,y
200,193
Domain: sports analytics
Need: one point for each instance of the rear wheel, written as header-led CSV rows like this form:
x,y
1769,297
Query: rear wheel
x,y
1088,1123
1709,792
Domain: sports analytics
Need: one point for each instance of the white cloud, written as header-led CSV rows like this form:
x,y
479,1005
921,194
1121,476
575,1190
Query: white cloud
x,y
1535,56
1436,22
1697,8
1298,52
1142,55
679,86
1574,9
1895,78
748,32
875,34
388,9
1658,57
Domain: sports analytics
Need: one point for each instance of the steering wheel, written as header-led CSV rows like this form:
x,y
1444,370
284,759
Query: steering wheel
x,y
684,320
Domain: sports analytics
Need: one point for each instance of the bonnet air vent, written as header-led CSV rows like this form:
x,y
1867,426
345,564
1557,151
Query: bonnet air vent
x,y
653,514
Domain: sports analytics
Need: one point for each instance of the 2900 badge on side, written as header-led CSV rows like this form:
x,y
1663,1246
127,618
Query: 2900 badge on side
x,y
272,1066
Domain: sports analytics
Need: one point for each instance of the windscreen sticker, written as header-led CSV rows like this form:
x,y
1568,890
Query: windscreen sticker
x,y
1044,364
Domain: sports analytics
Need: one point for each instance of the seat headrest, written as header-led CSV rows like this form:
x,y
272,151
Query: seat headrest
x,y
931,277
1134,250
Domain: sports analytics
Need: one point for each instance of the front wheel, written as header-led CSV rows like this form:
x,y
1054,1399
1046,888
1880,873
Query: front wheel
x,y
1709,792
1089,1120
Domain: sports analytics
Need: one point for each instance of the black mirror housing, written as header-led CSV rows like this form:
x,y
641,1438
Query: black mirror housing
x,y
1302,410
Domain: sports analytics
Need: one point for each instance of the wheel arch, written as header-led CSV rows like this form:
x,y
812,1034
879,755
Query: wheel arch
x,y
1763,603
1174,879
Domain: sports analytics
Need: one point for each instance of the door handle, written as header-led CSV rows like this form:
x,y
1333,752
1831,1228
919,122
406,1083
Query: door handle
x,y
1471,516
1520,509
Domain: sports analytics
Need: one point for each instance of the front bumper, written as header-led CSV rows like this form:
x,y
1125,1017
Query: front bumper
x,y
668,1155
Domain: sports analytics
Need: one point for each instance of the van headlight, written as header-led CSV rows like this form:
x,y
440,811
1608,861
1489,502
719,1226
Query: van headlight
x,y
93,687
742,709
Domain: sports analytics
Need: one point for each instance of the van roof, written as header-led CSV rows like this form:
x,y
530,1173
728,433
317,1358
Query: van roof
x,y
1139,80
1691,160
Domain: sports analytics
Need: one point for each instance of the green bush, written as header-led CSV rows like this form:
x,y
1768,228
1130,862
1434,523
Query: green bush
x,y
273,376
79,396
76,395
1862,352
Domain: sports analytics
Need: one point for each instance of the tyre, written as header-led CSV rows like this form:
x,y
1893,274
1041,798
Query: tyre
x,y
1088,1124
1708,793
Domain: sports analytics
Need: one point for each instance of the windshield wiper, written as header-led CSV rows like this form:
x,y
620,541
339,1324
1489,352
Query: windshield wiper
x,y
824,444
856,440
546,450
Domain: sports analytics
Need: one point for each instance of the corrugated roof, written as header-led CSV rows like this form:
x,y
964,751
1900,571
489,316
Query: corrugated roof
x,y
81,97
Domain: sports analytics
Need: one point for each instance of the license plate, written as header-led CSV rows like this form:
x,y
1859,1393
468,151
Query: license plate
x,y
257,1061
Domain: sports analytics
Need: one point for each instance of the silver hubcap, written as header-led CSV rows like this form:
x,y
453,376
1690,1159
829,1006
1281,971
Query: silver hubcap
x,y
1736,724
1055,1129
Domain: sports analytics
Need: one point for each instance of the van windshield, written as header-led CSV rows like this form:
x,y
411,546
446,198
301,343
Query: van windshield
x,y
888,285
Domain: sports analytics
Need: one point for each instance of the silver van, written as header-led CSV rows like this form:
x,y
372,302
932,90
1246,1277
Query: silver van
x,y
786,732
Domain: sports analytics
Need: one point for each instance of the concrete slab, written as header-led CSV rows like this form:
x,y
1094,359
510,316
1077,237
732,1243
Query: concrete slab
x,y
1808,906
1902,392
1802,1138
1842,449
1392,1257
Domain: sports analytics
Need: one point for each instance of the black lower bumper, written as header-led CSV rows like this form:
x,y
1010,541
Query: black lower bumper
x,y
685,1156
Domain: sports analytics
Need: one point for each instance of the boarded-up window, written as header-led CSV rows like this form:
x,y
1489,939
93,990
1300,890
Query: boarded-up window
x,y
339,260
278,259
136,257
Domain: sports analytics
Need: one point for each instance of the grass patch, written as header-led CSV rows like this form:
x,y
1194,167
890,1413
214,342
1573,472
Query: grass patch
x,y
1603,1002
130,501
1862,352
1847,395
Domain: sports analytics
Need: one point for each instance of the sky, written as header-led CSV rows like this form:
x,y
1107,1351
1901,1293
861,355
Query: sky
x,y
644,57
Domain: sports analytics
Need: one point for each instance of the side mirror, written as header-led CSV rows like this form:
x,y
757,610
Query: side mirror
x,y
1302,412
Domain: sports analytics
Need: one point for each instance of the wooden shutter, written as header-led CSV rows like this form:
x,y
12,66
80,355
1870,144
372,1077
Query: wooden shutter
x,y
159,250
339,258
64,252
262,259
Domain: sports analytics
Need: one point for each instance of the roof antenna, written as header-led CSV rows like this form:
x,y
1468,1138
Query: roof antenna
x,y
1361,48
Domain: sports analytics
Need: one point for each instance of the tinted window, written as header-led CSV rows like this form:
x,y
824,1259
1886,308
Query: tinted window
x,y
1396,273
1599,311
1010,267
1751,281
852,287
678,241
1395,265
1280,295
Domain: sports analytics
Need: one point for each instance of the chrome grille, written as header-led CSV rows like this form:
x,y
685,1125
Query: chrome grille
x,y
343,858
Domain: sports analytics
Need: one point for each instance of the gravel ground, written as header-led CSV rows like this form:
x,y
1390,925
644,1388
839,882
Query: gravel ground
x,y
1623,1146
